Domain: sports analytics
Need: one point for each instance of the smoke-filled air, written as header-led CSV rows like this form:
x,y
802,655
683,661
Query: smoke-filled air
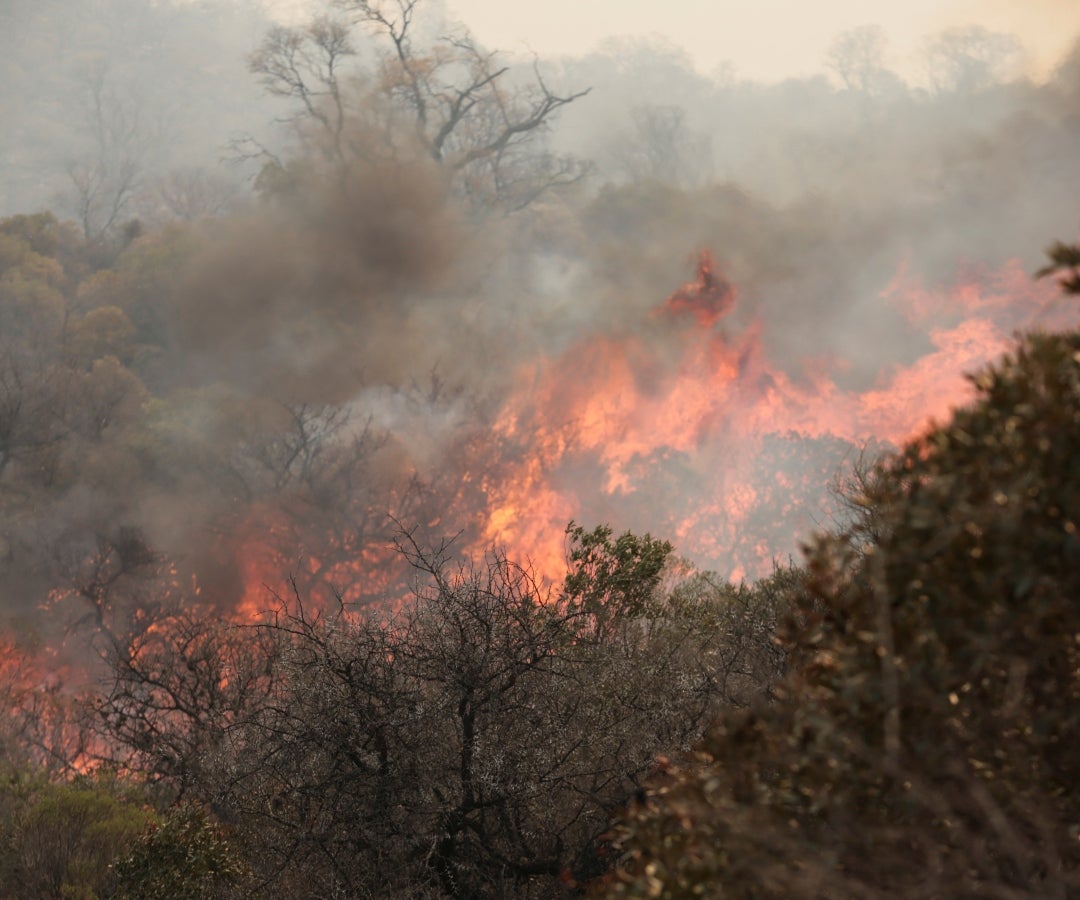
x,y
311,319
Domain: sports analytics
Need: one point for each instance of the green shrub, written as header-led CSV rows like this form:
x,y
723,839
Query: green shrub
x,y
59,839
184,856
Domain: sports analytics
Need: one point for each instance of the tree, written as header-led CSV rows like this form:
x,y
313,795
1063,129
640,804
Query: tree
x,y
30,398
45,728
965,60
185,855
173,70
462,107
188,194
320,494
176,690
1064,265
59,838
105,178
304,64
856,58
612,579
473,744
64,399
661,146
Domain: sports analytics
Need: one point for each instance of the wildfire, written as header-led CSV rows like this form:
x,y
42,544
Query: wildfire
x,y
689,430
276,558
707,298
682,424
41,699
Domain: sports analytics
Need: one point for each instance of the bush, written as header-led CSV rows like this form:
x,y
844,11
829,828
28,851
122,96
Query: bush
x,y
59,839
924,741
185,856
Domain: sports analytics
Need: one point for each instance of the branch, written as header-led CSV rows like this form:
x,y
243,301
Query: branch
x,y
536,118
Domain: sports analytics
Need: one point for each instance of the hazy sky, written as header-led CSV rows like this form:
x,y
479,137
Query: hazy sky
x,y
764,39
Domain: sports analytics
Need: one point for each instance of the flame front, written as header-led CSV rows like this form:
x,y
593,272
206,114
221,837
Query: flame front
x,y
680,424
688,429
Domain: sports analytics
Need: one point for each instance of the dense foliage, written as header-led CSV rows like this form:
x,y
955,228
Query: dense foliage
x,y
183,855
924,743
98,836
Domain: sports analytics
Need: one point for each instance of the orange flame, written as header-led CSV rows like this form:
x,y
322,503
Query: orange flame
x,y
607,421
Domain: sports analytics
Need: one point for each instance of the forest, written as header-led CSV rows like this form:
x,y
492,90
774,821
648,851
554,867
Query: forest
x,y
430,472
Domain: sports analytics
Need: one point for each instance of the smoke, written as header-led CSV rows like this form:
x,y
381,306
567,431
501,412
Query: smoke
x,y
367,344
331,288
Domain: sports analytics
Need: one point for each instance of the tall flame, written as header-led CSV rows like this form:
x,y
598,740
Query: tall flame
x,y
688,428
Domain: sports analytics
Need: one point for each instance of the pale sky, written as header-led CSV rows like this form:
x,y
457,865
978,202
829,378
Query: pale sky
x,y
764,39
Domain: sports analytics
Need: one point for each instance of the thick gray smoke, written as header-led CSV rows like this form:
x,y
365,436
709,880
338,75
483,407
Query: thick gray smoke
x,y
320,293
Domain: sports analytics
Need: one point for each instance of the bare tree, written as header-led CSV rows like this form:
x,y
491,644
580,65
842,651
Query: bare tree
x,y
176,690
44,720
326,515
105,178
661,146
188,194
474,745
856,487
304,64
468,111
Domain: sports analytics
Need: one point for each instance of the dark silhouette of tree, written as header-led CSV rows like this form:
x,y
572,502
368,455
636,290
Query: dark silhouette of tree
x,y
1064,265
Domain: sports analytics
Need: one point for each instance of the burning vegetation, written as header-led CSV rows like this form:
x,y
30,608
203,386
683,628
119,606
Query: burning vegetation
x,y
294,586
